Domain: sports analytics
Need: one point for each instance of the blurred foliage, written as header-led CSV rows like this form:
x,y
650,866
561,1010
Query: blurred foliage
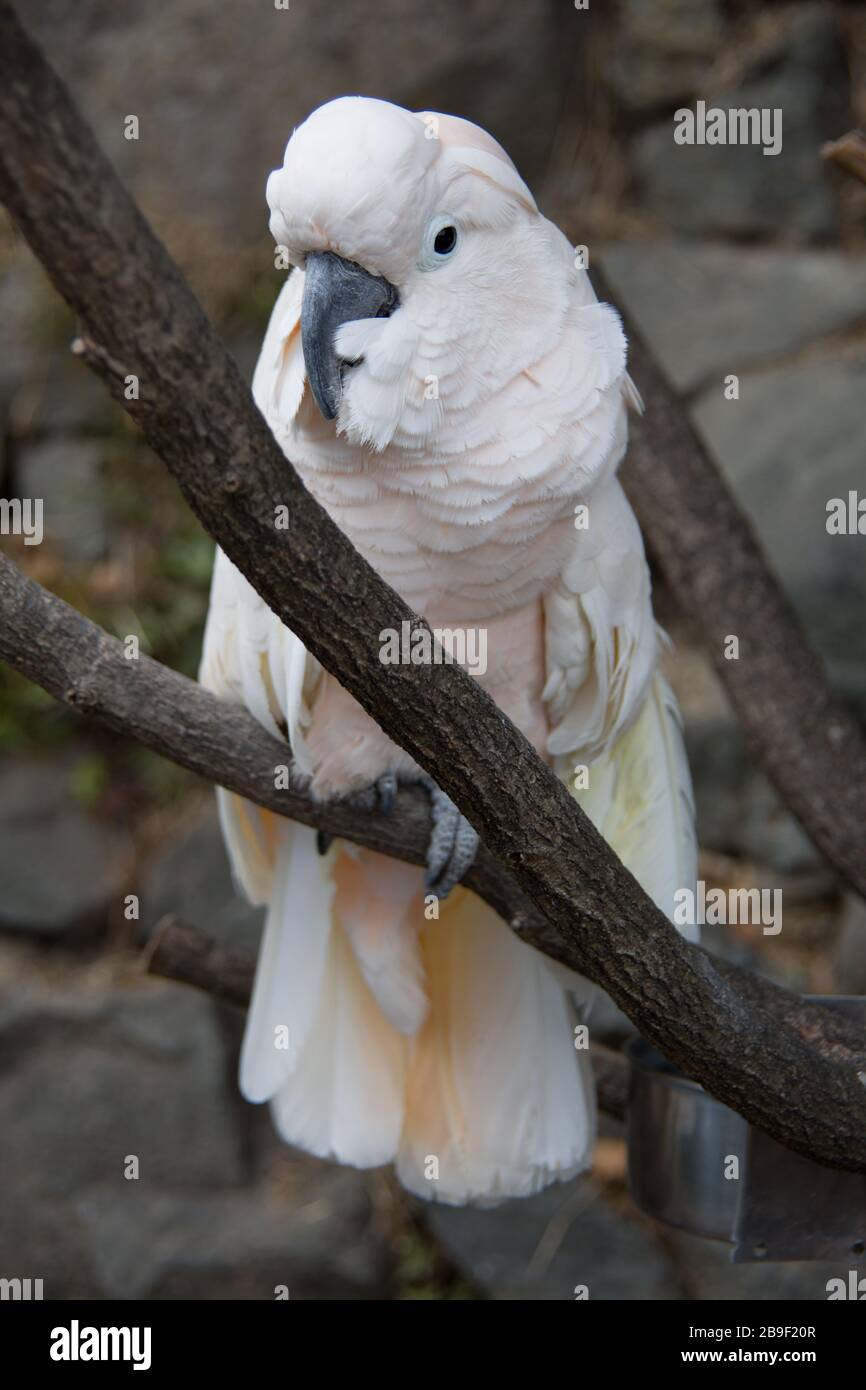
x,y
152,576
89,779
422,1272
150,580
28,714
152,573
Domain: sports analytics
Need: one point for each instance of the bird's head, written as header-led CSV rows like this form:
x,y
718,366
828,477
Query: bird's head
x,y
420,246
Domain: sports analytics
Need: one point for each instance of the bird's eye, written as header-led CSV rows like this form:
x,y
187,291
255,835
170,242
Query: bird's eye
x,y
440,242
445,241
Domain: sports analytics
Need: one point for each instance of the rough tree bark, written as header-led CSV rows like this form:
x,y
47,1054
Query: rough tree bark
x,y
68,655
83,666
140,318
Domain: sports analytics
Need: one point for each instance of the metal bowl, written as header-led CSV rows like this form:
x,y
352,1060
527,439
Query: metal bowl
x,y
695,1164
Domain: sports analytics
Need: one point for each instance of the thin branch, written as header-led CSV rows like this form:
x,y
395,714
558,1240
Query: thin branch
x,y
196,412
176,950
811,747
87,669
79,663
849,152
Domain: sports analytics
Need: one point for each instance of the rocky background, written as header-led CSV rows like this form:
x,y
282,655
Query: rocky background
x,y
732,263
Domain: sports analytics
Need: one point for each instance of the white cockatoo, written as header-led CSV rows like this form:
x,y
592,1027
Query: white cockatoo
x,y
440,373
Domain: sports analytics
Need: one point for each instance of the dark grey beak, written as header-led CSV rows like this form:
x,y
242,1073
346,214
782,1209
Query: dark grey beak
x,y
336,291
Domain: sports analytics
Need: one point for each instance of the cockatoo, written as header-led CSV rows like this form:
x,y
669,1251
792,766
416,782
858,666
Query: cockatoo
x,y
439,371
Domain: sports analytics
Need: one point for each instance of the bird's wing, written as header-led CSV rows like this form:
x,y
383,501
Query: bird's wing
x,y
249,657
640,799
279,378
611,711
600,635
601,639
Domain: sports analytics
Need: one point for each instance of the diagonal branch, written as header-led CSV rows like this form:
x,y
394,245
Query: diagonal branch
x,y
196,412
811,748
87,669
50,642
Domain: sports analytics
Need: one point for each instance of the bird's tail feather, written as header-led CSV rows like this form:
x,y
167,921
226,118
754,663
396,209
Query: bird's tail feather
x,y
487,1097
499,1103
444,1045
640,799
345,1096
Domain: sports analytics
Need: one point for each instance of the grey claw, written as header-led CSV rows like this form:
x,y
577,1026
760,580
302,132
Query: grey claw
x,y
378,796
386,788
452,846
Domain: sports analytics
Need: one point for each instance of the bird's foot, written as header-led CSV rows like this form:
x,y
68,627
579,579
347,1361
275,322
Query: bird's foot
x,y
452,845
378,796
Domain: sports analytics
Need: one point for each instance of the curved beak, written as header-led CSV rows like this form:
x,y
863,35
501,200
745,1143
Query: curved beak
x,y
336,291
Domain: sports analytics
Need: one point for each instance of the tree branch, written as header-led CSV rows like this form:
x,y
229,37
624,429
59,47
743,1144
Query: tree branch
x,y
849,152
811,748
195,411
50,642
84,667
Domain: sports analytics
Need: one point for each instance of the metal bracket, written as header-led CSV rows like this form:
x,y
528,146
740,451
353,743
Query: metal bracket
x,y
697,1165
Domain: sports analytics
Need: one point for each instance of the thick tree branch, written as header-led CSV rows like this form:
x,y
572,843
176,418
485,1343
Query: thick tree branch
x,y
811,748
196,412
86,668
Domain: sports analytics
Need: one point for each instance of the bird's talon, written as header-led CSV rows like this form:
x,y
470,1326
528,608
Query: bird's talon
x,y
378,796
386,789
453,844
